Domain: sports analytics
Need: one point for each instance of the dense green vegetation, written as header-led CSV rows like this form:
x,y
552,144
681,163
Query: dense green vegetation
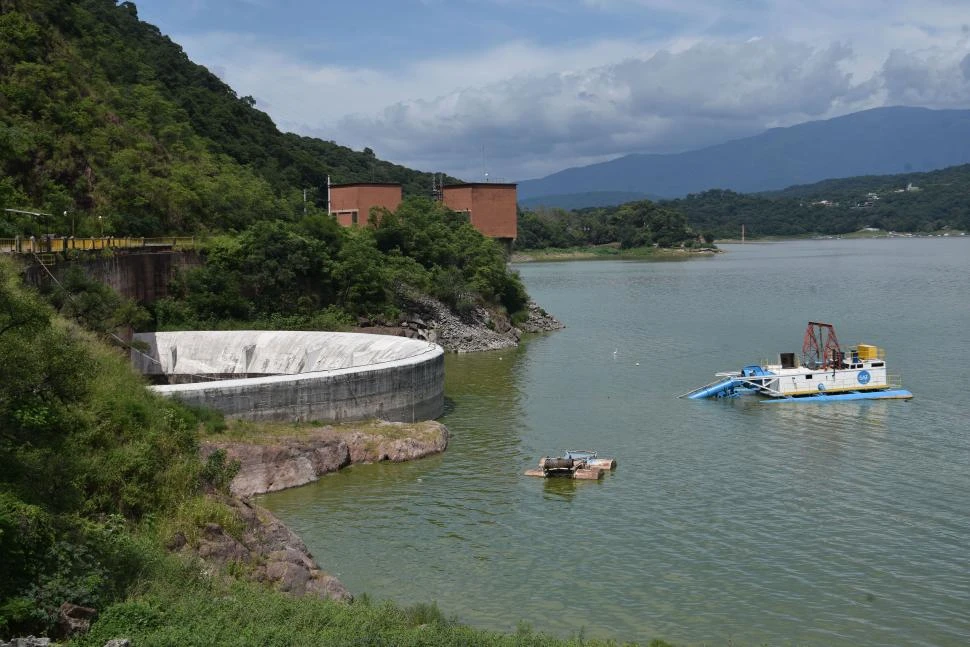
x,y
313,274
85,450
97,475
937,201
105,124
632,225
188,609
941,202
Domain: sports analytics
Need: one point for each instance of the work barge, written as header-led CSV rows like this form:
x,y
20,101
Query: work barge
x,y
574,464
827,372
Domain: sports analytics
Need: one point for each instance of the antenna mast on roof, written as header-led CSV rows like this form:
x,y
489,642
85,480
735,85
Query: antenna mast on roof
x,y
484,168
437,188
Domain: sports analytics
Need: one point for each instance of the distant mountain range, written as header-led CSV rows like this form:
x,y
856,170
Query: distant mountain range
x,y
583,200
873,142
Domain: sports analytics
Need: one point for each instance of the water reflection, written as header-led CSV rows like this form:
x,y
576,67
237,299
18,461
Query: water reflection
x,y
560,488
868,416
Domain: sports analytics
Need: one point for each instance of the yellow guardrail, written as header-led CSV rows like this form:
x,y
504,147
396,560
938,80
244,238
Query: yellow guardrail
x,y
56,245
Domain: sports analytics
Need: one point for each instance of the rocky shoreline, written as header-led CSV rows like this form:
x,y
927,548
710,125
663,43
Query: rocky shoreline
x,y
266,549
277,463
477,330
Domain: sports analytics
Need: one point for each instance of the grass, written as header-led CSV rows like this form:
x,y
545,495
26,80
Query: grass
x,y
265,433
184,605
191,517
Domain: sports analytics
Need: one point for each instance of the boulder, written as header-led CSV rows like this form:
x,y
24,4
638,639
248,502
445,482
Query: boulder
x,y
73,619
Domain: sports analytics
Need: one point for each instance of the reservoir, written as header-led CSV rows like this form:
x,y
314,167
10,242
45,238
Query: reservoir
x,y
725,521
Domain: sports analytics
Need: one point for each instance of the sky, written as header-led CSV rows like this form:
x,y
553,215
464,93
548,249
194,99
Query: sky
x,y
508,90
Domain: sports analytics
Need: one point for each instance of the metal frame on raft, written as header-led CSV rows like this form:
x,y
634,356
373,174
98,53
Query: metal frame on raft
x,y
820,347
581,464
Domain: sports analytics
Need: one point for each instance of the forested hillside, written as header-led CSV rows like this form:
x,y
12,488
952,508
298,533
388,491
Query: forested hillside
x,y
934,201
632,225
106,123
907,203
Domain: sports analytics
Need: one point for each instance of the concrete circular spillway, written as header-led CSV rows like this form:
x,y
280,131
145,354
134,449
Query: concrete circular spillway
x,y
290,375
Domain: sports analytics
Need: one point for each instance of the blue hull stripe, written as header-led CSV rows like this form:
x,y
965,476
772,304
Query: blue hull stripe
x,y
890,394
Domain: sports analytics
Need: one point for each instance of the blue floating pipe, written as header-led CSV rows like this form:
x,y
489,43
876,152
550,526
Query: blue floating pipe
x,y
888,394
722,389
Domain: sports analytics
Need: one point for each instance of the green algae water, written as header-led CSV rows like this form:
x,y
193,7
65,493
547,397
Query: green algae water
x,y
725,522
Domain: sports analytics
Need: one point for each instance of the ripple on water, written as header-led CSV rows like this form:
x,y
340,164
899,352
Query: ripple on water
x,y
807,524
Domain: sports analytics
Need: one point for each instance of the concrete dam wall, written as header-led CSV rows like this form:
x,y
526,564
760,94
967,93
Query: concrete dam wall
x,y
143,276
289,375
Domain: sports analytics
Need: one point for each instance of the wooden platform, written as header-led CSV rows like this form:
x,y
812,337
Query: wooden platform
x,y
589,469
588,473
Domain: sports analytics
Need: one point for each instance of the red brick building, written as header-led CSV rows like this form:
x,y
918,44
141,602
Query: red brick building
x,y
491,208
350,204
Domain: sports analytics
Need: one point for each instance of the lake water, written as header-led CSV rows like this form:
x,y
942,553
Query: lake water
x,y
725,521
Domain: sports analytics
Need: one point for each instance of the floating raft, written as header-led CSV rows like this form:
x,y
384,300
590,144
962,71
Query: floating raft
x,y
575,464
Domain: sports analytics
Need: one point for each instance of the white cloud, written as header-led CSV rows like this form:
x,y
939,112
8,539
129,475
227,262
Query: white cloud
x,y
722,71
664,101
933,79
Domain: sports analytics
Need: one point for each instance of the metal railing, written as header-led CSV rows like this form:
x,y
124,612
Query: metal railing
x,y
60,244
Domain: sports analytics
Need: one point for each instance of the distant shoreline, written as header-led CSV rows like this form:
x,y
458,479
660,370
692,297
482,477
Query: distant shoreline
x,y
608,252
613,252
855,235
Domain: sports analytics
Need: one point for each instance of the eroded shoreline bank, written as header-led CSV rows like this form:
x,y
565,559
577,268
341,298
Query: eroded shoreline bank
x,y
279,458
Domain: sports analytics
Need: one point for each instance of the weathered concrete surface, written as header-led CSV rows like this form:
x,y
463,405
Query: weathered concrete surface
x,y
324,376
143,276
290,462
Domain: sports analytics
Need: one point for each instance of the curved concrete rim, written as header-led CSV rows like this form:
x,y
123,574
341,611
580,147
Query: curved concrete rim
x,y
299,374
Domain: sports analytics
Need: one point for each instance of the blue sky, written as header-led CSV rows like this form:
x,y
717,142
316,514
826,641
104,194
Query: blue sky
x,y
524,88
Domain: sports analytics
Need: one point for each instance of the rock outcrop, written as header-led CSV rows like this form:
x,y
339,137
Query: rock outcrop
x,y
267,551
539,320
73,619
475,330
289,462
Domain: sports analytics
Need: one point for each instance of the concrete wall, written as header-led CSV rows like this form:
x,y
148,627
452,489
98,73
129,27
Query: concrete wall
x,y
492,207
142,276
324,376
347,200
